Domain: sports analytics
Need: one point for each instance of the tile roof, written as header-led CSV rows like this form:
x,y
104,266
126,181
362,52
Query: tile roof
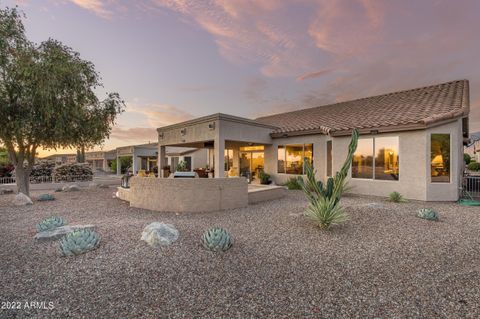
x,y
416,108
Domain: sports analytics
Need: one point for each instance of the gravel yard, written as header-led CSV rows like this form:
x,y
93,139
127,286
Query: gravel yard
x,y
384,262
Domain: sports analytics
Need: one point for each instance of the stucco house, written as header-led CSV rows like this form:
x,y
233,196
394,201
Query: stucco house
x,y
410,141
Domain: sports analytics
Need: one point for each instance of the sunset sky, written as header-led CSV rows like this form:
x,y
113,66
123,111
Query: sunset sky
x,y
175,60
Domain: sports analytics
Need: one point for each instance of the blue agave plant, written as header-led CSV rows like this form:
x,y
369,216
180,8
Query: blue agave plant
x,y
46,197
50,223
217,239
78,242
427,213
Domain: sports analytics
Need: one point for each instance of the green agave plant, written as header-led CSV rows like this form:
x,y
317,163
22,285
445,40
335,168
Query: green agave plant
x,y
427,213
50,223
78,242
217,239
46,197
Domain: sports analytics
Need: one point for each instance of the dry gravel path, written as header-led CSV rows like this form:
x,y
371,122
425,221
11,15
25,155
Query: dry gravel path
x,y
383,263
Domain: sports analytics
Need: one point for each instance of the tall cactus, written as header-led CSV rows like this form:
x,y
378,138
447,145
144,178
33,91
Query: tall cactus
x,y
335,186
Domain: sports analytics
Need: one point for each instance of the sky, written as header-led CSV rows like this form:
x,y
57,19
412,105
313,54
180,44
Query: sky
x,y
175,60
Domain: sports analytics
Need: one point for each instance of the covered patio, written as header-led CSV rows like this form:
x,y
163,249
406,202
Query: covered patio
x,y
236,145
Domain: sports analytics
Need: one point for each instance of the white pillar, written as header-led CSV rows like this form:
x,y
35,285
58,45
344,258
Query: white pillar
x,y
134,163
119,166
219,155
161,160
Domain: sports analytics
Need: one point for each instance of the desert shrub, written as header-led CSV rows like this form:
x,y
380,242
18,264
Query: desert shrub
x,y
467,158
73,172
264,178
181,166
396,197
474,166
324,207
293,183
427,213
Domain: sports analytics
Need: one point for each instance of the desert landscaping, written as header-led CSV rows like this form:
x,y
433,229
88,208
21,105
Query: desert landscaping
x,y
383,262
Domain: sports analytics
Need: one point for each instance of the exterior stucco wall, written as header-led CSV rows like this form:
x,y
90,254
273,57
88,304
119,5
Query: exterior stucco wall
x,y
188,195
414,163
412,166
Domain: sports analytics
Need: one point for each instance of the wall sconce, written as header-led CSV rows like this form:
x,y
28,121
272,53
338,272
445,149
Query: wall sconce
x,y
211,126
160,136
183,131
373,132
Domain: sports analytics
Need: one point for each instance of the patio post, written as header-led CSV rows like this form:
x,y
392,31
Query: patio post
x,y
219,156
161,160
119,166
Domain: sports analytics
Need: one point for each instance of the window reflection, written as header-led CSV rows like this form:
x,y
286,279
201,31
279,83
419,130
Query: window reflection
x,y
440,158
386,160
362,163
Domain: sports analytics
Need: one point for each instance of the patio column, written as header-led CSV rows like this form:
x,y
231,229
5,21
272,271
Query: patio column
x,y
161,160
119,166
219,155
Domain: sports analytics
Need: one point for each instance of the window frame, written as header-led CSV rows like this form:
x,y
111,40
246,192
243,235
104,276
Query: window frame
x,y
284,147
374,159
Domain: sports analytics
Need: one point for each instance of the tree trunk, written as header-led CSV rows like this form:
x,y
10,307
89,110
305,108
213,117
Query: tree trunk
x,y
22,178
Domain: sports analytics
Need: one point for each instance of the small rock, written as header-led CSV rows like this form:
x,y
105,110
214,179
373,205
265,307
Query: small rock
x,y
22,200
92,185
71,188
103,186
59,232
159,234
58,189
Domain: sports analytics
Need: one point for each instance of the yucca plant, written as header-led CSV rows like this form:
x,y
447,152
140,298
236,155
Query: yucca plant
x,y
50,223
217,239
78,242
324,200
325,212
396,197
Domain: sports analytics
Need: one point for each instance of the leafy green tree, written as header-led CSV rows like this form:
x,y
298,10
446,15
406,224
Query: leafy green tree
x,y
467,158
47,98
125,162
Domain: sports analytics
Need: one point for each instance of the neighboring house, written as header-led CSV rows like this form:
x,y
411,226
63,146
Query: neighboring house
x,y
145,157
62,158
101,160
410,141
193,157
474,146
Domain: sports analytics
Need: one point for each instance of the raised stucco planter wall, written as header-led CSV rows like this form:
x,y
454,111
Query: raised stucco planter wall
x,y
188,195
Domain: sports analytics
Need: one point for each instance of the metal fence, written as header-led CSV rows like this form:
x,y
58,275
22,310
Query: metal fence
x,y
50,179
471,184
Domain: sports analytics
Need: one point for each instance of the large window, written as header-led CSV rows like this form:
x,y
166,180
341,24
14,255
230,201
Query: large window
x,y
384,165
440,158
291,158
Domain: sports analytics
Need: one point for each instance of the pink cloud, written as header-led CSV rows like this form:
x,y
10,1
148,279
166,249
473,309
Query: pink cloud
x,y
99,7
313,75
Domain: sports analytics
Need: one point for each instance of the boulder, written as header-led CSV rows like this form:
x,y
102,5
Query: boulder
x,y
56,233
159,234
22,200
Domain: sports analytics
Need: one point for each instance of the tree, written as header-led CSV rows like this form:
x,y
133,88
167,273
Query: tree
x,y
47,98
